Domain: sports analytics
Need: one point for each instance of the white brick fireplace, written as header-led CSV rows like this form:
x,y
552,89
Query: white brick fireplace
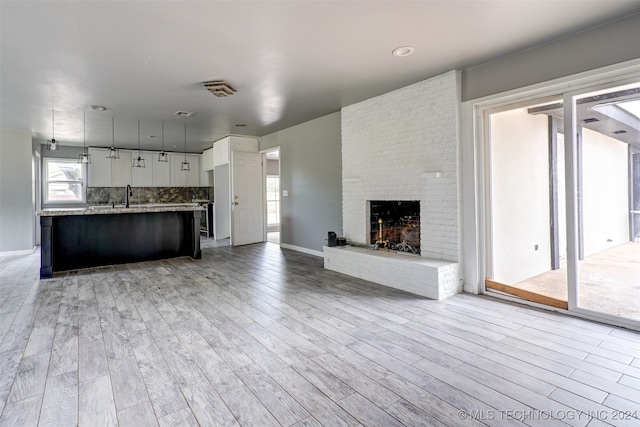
x,y
403,145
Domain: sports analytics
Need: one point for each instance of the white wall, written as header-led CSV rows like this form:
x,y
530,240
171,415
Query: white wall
x,y
390,145
519,196
605,191
16,187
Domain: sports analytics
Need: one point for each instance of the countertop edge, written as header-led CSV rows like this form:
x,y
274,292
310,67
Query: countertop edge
x,y
117,210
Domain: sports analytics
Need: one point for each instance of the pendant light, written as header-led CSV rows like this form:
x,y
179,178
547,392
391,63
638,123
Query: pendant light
x,y
52,145
139,161
163,157
84,157
114,153
184,166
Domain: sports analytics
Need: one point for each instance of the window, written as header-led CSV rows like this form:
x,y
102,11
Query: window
x,y
273,200
63,181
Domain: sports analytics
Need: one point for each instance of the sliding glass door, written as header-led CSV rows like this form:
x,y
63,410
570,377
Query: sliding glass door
x,y
562,176
607,176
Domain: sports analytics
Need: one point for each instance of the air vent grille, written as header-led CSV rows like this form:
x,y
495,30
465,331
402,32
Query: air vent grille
x,y
220,88
618,132
184,114
590,120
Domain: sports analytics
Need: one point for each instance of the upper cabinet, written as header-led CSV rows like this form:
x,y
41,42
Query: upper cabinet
x,y
161,172
182,178
107,172
208,159
223,147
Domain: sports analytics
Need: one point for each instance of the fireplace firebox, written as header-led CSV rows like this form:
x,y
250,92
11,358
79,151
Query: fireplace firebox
x,y
395,224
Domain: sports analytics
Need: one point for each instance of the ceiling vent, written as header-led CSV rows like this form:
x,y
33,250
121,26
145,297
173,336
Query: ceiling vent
x,y
590,120
220,88
184,114
618,132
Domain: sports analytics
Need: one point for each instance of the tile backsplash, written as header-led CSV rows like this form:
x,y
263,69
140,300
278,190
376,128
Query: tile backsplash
x,y
108,195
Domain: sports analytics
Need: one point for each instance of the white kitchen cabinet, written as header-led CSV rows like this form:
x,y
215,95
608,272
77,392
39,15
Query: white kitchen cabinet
x,y
106,172
221,152
223,147
121,169
205,174
143,177
161,172
180,178
208,159
100,168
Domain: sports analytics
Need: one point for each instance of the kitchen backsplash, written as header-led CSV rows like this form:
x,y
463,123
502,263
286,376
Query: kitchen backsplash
x,y
108,195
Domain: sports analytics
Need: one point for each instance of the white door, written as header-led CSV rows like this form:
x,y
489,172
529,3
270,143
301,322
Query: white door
x,y
247,199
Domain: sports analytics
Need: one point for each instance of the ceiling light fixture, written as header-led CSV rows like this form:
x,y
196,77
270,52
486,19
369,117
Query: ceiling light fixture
x,y
220,88
84,157
113,151
241,125
184,166
403,51
98,107
52,145
139,161
162,157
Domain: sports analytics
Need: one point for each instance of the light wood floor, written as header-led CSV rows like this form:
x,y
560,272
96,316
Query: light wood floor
x,y
259,336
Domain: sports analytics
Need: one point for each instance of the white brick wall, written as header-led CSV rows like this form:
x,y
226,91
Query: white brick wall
x,y
389,143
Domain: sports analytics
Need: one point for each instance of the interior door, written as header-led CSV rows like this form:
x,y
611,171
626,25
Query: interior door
x,y
247,201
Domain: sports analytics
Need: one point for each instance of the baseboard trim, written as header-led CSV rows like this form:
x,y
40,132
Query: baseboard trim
x,y
16,253
301,249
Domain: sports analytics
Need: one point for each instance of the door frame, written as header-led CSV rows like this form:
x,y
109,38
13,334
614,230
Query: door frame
x,y
264,191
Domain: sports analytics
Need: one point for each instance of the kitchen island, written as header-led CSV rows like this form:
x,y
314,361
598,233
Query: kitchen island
x,y
105,235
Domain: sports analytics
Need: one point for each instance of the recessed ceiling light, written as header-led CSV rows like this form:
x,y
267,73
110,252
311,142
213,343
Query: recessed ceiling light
x,y
98,107
184,113
153,136
403,51
174,146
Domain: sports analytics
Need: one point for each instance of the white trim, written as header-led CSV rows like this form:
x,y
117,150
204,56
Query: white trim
x,y
16,253
301,249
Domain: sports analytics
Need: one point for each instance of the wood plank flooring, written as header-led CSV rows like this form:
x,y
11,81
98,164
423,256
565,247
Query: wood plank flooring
x,y
259,336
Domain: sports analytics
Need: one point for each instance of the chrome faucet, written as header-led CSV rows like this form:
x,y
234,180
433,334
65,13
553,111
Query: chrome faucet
x,y
128,192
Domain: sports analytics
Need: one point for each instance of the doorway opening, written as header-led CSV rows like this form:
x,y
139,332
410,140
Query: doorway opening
x,y
272,195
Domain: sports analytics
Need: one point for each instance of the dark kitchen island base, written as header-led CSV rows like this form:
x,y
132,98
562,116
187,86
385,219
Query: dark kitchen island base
x,y
71,242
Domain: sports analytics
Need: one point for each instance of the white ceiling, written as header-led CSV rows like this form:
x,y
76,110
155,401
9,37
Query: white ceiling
x,y
291,61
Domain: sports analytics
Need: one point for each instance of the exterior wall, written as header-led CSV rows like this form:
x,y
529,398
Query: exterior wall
x,y
605,192
310,173
519,196
392,147
17,211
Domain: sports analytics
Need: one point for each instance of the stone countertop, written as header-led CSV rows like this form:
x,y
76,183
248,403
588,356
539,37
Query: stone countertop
x,y
118,209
